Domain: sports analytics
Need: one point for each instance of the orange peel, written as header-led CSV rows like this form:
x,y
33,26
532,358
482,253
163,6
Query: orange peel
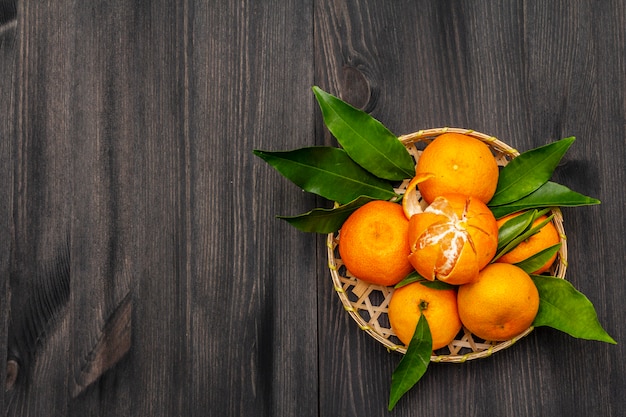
x,y
411,203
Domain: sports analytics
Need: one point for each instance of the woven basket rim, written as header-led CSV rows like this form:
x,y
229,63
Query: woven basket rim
x,y
465,346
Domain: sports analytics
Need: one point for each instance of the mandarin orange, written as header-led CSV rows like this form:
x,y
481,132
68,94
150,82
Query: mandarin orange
x,y
374,243
500,304
453,239
459,164
438,306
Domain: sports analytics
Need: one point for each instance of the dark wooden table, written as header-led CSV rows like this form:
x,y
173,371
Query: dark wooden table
x,y
144,272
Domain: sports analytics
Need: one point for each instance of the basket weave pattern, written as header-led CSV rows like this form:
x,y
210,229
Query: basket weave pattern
x,y
367,303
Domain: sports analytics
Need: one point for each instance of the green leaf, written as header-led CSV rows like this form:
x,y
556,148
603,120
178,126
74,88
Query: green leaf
x,y
512,228
415,277
328,172
539,259
564,308
438,285
325,220
410,279
365,139
522,237
550,194
529,171
414,363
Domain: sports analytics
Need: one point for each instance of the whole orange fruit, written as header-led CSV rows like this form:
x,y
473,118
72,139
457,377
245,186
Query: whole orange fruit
x,y
453,239
460,164
546,236
374,243
500,304
438,306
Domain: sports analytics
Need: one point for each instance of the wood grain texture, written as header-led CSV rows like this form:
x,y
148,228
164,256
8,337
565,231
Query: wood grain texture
x,y
214,267
101,131
250,77
8,370
146,273
39,274
158,108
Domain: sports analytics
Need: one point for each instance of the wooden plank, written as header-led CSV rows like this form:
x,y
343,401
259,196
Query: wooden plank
x,y
39,278
161,331
256,66
103,240
527,74
100,129
8,53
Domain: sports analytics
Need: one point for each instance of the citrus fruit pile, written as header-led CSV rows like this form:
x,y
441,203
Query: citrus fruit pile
x,y
467,245
454,240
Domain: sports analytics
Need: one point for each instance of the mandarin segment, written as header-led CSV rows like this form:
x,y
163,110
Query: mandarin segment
x,y
453,239
459,164
374,243
501,304
438,306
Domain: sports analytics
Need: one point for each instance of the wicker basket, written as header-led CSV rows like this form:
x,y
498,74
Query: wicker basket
x,y
367,303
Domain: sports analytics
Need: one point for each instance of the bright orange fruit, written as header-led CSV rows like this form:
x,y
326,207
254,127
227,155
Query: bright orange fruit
x,y
438,306
500,304
460,164
453,239
546,236
374,243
